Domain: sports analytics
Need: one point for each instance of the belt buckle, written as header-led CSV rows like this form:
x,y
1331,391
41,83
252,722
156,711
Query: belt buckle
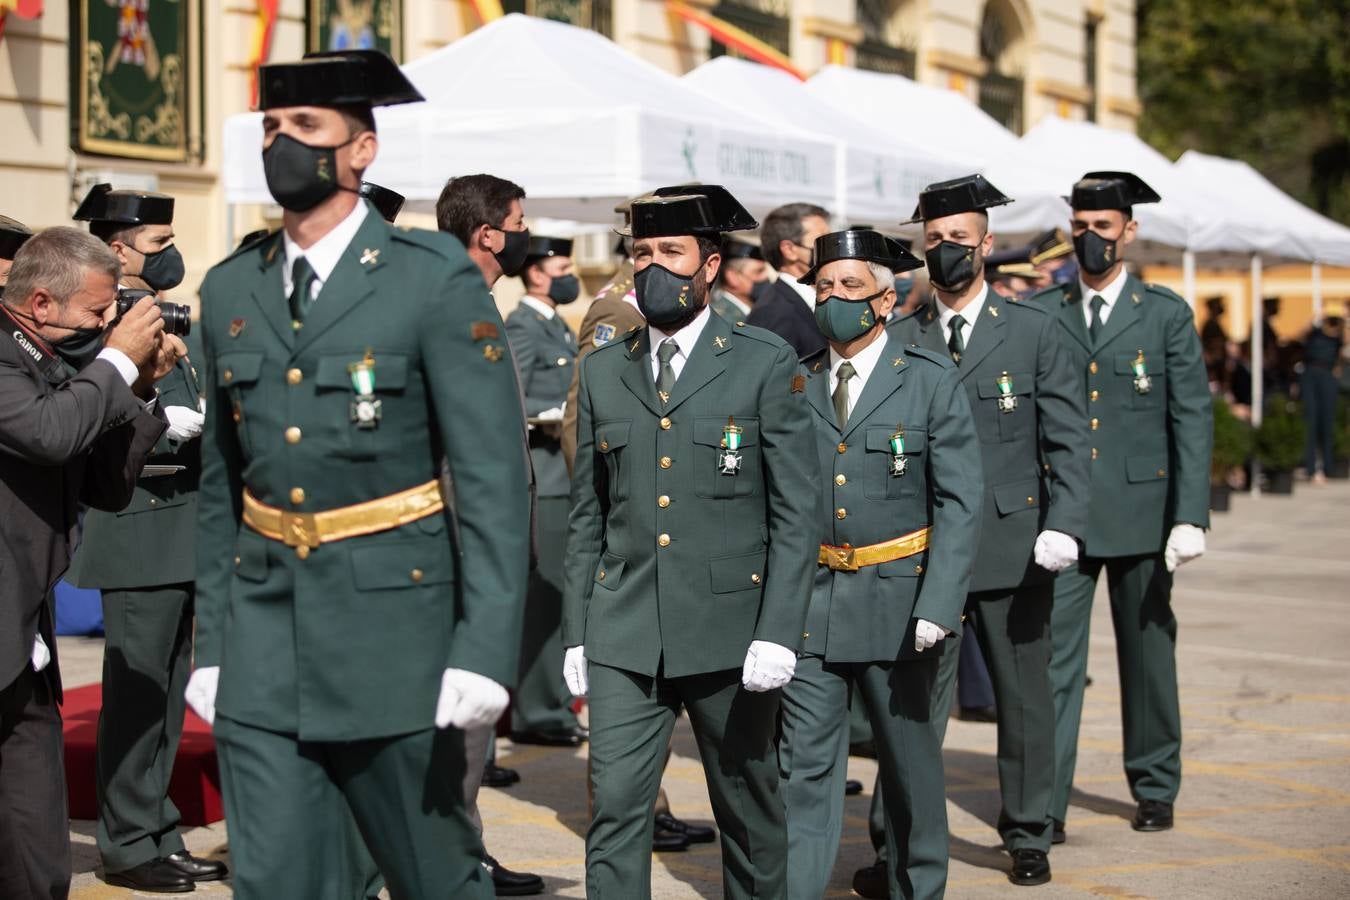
x,y
299,530
843,559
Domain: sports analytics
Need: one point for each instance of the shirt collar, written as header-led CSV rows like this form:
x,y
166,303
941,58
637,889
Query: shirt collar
x,y
736,302
970,312
806,291
685,338
324,254
1110,293
539,306
864,361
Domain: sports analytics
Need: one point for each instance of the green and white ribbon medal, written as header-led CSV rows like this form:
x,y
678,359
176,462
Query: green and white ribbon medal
x,y
1007,400
729,460
899,462
1142,383
365,407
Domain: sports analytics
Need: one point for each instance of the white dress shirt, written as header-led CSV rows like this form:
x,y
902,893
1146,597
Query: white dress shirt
x,y
736,302
325,253
685,339
539,306
806,291
970,313
1110,293
864,361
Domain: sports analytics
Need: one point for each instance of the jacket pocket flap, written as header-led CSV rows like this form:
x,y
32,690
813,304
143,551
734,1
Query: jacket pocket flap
x,y
391,372
382,565
1145,468
239,367
612,435
609,572
909,567
1021,384
880,439
743,572
709,431
1009,498
250,556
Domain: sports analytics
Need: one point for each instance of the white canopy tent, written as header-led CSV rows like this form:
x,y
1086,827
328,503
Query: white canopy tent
x,y
575,120
880,175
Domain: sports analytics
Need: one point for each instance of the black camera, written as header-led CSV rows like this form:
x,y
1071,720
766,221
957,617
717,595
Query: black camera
x,y
177,317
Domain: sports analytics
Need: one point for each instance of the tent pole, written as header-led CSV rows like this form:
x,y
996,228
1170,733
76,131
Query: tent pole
x,y
1258,364
229,230
1188,276
1317,292
840,184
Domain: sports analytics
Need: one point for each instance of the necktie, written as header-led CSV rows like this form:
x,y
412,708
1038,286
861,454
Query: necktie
x,y
302,294
844,374
665,382
956,344
1095,325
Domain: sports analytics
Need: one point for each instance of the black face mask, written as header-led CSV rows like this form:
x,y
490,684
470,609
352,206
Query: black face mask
x,y
79,347
299,176
758,290
951,266
163,269
665,299
564,289
512,255
1096,255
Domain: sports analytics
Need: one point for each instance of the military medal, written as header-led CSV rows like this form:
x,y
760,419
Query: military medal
x,y
899,462
1142,383
729,459
365,407
1007,400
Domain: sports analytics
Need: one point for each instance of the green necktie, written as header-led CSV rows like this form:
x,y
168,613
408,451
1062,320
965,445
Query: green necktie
x,y
956,344
302,293
844,374
665,382
1095,326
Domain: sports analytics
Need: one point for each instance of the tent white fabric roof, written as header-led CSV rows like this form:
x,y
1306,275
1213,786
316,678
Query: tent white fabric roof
x,y
574,119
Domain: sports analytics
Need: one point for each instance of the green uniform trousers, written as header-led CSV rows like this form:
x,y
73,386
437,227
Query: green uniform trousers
x,y
814,756
1013,631
147,657
632,717
1146,642
542,701
288,802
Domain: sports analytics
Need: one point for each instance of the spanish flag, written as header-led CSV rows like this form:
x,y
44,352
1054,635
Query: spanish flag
x,y
24,9
263,26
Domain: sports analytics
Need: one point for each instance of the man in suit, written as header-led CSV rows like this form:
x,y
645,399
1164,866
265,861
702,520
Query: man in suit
x,y
1136,351
688,564
742,280
901,502
1029,410
78,417
142,559
357,630
786,239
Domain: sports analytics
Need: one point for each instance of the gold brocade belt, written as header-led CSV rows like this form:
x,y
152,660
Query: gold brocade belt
x,y
851,559
309,530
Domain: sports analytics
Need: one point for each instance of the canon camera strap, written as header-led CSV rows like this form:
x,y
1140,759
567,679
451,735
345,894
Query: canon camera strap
x,y
53,367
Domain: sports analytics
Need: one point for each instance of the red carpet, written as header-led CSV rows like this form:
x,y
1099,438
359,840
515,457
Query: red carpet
x,y
194,787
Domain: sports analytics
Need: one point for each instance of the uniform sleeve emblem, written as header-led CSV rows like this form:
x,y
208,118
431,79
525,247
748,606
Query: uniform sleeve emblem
x,y
604,333
481,330
798,384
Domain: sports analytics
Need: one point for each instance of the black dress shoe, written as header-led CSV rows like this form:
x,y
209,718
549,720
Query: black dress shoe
x,y
499,776
1152,815
156,876
1057,835
668,841
696,834
512,884
1029,867
196,868
551,737
978,714
852,787
871,882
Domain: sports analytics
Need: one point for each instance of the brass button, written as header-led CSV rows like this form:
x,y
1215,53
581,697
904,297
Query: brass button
x,y
1031,501
665,462
663,501
1094,395
665,423
292,435
302,551
604,445
153,501
601,576
294,376
237,415
415,575
663,541
228,375
1094,452
1162,473
562,360
842,447
841,513
236,560
918,570
1095,423
1092,367
806,634
297,496
754,579
840,479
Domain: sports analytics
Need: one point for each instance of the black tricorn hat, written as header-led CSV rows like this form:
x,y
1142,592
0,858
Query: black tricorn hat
x,y
968,193
13,234
335,78
860,243
1007,256
386,201
737,249
1111,190
1048,245
542,247
103,204
701,210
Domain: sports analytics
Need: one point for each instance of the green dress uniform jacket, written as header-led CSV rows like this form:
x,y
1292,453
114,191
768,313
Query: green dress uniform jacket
x,y
357,648
545,350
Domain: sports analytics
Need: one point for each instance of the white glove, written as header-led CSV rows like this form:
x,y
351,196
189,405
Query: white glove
x,y
768,666
575,671
469,700
1055,551
1184,544
185,423
927,633
551,415
201,692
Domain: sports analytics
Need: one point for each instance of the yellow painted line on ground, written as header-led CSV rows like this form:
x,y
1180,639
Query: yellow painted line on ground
x,y
1197,767
1321,728
1309,856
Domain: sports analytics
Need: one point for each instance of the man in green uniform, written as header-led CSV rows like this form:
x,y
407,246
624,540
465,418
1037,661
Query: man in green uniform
x,y
1029,410
689,552
901,502
357,629
1150,426
741,281
545,350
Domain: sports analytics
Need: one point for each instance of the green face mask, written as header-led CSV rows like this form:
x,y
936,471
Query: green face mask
x,y
842,319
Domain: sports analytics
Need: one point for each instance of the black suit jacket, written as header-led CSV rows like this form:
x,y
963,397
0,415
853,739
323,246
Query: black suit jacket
x,y
81,441
786,314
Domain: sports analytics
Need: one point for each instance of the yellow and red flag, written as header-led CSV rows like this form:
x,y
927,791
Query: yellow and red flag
x,y
263,26
739,39
24,9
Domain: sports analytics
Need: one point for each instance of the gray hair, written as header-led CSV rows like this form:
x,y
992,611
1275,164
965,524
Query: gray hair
x,y
882,275
58,260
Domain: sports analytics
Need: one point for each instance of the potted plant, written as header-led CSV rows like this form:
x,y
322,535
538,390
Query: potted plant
x,y
1340,463
1280,443
1232,449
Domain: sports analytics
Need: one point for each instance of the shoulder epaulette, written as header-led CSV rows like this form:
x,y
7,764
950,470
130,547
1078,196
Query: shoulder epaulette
x,y
1163,290
913,313
252,241
619,341
932,356
437,241
1053,292
810,361
763,335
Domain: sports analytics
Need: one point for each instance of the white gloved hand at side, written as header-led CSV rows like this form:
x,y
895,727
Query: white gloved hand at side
x,y
469,700
551,415
927,633
1055,551
185,423
1185,543
768,666
575,671
200,692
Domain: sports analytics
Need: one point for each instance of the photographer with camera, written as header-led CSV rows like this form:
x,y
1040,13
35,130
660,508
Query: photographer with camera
x,y
142,559
78,417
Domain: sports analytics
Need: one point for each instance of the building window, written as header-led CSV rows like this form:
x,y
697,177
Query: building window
x,y
1090,63
886,45
768,20
597,15
1001,48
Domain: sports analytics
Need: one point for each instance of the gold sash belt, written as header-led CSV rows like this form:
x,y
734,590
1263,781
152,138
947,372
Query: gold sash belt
x,y
309,530
851,559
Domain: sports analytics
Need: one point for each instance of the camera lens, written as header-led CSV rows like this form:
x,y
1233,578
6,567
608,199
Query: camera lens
x,y
177,319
